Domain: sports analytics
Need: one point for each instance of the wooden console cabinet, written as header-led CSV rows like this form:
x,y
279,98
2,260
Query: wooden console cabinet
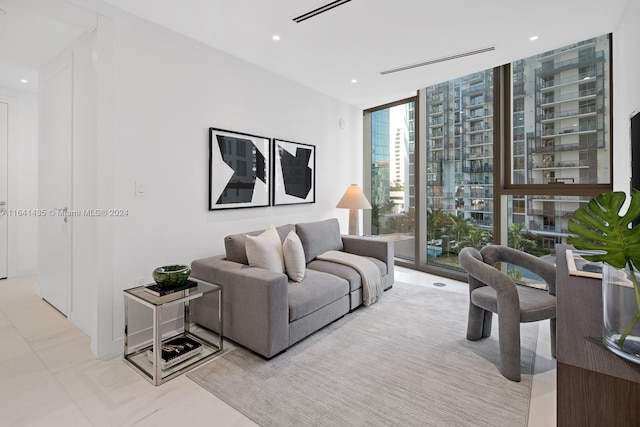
x,y
594,386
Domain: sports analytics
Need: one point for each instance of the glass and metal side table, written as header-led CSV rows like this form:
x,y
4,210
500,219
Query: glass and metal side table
x,y
149,364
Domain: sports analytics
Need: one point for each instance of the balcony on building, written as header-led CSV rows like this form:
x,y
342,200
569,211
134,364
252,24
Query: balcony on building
x,y
485,206
478,113
548,83
437,158
582,95
551,146
475,155
587,111
436,121
474,77
549,69
564,214
480,139
475,89
559,230
436,109
580,129
571,164
482,126
483,168
437,132
564,50
480,99
435,192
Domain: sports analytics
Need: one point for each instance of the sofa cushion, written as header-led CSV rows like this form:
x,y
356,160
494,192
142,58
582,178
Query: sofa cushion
x,y
314,292
265,250
235,243
344,271
293,253
319,237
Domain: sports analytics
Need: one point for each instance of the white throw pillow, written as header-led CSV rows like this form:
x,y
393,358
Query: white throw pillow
x,y
293,253
265,250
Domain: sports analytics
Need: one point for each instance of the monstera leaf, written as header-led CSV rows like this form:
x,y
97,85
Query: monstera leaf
x,y
601,227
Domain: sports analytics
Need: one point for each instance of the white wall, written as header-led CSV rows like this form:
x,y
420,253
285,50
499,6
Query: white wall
x,y
626,91
167,90
23,180
84,186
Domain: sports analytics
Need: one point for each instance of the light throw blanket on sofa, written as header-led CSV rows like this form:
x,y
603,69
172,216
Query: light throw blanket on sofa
x,y
372,288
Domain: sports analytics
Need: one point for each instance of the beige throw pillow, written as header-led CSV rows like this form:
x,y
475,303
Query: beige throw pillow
x,y
265,250
293,253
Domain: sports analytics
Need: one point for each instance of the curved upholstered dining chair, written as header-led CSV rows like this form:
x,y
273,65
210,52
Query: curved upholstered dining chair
x,y
493,291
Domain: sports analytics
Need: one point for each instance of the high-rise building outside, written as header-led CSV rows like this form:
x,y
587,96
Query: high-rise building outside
x,y
560,127
459,172
380,156
560,99
409,175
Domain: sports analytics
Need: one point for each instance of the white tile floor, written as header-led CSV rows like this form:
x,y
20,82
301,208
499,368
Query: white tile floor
x,y
49,377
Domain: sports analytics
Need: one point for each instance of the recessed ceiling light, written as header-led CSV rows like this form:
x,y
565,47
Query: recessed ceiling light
x,y
275,37
354,81
25,81
533,38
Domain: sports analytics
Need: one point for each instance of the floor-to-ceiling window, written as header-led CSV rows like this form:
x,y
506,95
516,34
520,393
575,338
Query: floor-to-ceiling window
x,y
508,154
392,183
458,186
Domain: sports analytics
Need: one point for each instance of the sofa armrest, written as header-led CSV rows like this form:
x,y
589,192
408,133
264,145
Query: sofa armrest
x,y
374,247
255,304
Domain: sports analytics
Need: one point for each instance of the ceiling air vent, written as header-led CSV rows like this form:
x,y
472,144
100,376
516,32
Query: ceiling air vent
x,y
322,9
443,59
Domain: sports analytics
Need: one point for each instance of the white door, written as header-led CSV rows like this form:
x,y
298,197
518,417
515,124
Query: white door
x,y
4,140
54,186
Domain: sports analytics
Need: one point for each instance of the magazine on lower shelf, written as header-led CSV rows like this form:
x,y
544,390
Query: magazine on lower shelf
x,y
160,291
176,350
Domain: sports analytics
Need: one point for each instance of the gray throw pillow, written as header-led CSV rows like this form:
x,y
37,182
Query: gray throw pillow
x,y
319,237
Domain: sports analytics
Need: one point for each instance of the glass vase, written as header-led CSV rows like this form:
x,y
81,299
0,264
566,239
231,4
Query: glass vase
x,y
620,310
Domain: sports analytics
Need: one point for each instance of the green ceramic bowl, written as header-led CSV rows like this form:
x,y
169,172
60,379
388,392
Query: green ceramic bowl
x,y
171,275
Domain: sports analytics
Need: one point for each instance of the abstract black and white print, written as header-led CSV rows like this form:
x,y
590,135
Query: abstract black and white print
x,y
239,174
294,173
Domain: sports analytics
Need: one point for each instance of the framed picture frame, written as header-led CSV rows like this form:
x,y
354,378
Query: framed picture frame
x,y
239,170
294,173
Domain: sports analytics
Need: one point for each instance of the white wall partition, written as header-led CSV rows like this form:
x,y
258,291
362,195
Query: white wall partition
x,y
68,181
626,91
54,186
22,180
4,187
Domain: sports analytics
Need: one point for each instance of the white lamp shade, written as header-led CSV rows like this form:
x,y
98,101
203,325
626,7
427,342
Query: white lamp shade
x,y
354,198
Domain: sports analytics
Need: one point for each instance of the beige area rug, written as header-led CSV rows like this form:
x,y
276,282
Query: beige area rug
x,y
403,361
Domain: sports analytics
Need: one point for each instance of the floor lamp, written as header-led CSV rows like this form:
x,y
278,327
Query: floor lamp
x,y
354,200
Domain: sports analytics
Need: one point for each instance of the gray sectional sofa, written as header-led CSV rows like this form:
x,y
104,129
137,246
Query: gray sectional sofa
x,y
267,312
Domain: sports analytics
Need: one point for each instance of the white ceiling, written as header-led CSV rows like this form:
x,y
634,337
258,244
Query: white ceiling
x,y
363,37
31,33
357,40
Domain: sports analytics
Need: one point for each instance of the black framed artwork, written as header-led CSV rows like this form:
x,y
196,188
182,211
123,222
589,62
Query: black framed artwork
x,y
294,173
239,170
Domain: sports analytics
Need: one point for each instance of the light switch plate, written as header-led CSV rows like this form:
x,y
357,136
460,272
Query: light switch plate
x,y
139,189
